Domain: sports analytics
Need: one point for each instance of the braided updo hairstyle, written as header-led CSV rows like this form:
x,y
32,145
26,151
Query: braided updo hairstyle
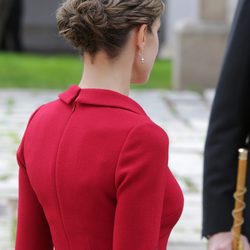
x,y
94,25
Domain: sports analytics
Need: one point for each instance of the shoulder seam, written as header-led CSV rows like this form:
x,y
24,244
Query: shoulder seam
x,y
22,140
125,140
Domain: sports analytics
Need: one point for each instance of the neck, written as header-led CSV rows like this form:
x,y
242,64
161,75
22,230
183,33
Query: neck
x,y
106,74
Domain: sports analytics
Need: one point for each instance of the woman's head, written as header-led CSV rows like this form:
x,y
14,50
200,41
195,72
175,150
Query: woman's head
x,y
106,25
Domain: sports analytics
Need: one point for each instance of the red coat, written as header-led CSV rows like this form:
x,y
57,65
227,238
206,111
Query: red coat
x,y
93,175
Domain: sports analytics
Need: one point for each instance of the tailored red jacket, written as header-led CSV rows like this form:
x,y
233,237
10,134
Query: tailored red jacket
x,y
94,175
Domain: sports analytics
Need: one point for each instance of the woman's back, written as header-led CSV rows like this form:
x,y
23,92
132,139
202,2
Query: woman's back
x,y
94,176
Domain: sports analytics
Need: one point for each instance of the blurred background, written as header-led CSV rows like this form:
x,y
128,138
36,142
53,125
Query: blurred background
x,y
36,64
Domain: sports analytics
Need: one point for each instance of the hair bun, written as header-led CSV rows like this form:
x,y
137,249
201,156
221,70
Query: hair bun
x,y
93,25
93,15
82,22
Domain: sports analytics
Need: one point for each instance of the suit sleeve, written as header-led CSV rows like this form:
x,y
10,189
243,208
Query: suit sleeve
x,y
32,230
140,183
228,128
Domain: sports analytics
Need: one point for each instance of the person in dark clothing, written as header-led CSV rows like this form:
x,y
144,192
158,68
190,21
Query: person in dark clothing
x,y
228,130
10,31
5,9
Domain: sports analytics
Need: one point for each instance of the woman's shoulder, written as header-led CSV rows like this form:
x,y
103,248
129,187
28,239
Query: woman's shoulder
x,y
148,130
41,110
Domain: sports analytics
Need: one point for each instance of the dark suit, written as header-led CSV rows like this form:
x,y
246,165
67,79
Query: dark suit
x,y
228,128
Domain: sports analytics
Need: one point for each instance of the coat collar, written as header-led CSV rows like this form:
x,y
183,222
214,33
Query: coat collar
x,y
100,97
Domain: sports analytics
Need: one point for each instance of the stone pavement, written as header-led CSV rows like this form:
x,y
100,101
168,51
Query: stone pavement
x,y
183,114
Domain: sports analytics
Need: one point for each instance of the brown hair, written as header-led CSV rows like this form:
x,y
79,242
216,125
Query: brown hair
x,y
94,25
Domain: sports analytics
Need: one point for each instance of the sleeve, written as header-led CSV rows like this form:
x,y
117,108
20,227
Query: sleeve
x,y
140,181
32,230
228,128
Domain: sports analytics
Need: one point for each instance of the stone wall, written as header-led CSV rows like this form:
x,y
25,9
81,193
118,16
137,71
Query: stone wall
x,y
200,46
39,26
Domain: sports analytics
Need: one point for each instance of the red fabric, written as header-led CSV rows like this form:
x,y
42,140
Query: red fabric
x,y
94,176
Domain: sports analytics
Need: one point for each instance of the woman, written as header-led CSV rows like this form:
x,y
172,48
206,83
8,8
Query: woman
x,y
93,167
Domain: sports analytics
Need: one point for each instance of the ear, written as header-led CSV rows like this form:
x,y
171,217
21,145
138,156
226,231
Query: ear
x,y
141,36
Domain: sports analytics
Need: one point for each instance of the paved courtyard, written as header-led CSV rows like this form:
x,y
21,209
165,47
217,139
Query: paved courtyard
x,y
183,114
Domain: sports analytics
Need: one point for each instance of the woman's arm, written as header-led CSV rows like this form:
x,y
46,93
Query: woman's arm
x,y
140,181
32,228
